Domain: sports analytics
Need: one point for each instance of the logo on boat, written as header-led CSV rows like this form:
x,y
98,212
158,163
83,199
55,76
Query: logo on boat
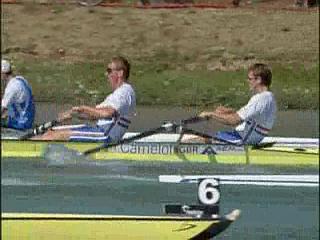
x,y
156,148
168,148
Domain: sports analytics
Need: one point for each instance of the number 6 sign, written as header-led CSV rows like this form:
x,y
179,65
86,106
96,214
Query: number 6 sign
x,y
208,192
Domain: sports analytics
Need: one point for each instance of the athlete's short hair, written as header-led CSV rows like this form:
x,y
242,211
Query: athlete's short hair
x,y
263,71
122,64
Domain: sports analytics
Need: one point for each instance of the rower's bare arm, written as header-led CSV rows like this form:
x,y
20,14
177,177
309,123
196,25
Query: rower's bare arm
x,y
93,113
229,118
206,115
222,109
218,110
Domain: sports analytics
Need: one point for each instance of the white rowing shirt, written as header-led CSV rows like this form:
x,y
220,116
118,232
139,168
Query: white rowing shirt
x,y
14,92
123,100
258,117
18,100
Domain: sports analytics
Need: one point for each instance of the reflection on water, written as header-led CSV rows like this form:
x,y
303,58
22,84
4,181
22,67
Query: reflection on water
x,y
289,123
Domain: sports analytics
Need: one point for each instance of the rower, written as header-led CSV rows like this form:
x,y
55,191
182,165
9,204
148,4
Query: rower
x,y
112,116
253,121
17,106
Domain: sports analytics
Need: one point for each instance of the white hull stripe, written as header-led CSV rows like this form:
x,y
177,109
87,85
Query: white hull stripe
x,y
165,137
260,180
279,184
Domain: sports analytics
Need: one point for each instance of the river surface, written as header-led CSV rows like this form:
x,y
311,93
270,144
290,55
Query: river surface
x,y
133,189
288,123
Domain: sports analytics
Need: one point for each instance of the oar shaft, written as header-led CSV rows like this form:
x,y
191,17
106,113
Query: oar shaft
x,y
40,129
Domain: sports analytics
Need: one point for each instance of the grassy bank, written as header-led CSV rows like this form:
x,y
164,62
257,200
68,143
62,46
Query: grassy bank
x,y
294,87
179,57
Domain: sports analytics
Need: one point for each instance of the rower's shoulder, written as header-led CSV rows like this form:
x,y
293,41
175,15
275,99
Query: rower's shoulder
x,y
13,84
16,80
263,99
127,85
267,95
128,88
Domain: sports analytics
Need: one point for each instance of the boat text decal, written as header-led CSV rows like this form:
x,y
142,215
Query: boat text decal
x,y
169,148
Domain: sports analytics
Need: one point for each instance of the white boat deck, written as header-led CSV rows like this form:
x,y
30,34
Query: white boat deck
x,y
172,137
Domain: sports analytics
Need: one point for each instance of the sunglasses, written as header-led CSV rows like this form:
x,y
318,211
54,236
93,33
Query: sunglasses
x,y
251,79
110,70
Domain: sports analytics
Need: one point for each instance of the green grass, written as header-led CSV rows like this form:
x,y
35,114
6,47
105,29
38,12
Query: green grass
x,y
159,84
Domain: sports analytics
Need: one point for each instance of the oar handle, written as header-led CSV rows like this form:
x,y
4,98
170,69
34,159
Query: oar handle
x,y
40,129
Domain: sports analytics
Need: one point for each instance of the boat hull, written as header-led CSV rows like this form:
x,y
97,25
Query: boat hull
x,y
162,151
68,226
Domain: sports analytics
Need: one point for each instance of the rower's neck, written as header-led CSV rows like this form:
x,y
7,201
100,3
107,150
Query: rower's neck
x,y
8,78
119,84
261,89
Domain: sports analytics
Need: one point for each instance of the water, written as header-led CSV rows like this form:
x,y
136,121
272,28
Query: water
x,y
125,188
133,189
288,124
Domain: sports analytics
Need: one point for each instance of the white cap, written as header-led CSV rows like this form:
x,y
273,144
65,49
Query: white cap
x,y
5,66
